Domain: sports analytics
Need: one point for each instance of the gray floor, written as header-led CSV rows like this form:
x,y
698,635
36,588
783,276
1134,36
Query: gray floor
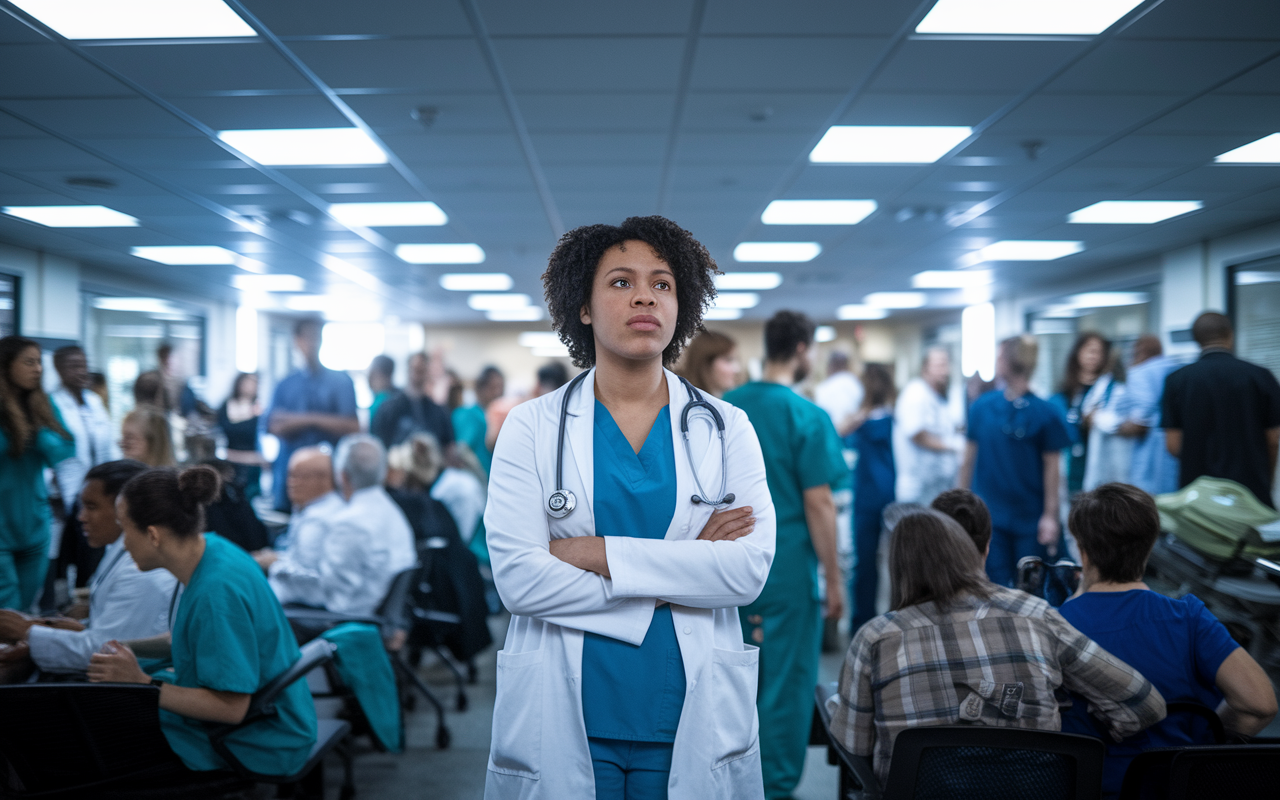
x,y
457,773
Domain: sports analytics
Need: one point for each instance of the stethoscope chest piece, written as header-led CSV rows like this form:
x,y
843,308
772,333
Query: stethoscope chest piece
x,y
561,503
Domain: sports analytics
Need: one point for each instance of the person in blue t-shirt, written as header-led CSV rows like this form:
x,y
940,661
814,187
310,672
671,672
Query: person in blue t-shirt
x,y
311,406
1178,645
1012,461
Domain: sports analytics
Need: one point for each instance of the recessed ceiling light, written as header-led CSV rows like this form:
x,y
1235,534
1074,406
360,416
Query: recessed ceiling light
x,y
72,216
952,278
138,19
146,305
385,215
1264,151
722,314
1250,277
559,351
777,251
526,314
304,147
736,300
824,333
440,253
1028,250
887,144
1107,299
1032,18
269,283
186,255
1132,212
539,339
748,281
476,281
896,299
817,212
497,302
861,311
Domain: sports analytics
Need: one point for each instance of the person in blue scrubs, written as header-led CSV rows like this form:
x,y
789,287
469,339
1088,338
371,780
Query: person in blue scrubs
x,y
874,479
1012,461
311,406
229,637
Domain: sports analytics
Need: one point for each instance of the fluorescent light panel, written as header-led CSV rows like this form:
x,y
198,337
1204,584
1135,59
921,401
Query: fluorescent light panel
x,y
440,253
887,144
1264,151
1107,299
138,19
386,215
72,216
497,301
722,314
896,299
306,147
736,300
748,281
824,333
978,341
186,255
1028,250
146,305
851,311
539,339
476,281
526,314
1132,212
817,212
792,252
269,283
1025,17
952,278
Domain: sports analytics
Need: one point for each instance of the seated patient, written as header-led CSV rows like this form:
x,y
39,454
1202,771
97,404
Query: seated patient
x,y
124,602
294,570
958,648
1177,644
967,508
230,637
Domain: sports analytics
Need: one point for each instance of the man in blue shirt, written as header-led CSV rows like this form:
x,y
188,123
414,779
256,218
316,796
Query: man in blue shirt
x,y
1178,645
1153,469
311,406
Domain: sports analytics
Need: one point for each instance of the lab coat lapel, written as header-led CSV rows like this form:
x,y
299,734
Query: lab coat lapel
x,y
579,429
677,398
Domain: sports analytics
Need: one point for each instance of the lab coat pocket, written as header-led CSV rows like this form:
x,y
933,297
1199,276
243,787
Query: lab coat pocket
x,y
517,715
734,675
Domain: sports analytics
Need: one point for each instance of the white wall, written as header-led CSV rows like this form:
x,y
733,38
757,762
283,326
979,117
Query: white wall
x,y
50,295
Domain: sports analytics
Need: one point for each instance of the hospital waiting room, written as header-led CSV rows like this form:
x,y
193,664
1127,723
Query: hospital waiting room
x,y
639,400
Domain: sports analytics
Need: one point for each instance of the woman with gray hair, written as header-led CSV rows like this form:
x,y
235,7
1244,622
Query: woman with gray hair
x,y
419,464
957,648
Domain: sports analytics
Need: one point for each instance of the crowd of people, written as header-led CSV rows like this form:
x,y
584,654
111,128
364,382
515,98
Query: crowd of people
x,y
662,629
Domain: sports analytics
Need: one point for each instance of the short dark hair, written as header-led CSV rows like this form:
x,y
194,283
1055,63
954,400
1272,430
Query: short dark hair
x,y
487,374
300,327
61,355
932,559
165,497
967,508
784,333
115,474
572,267
553,375
1116,525
1211,327
383,365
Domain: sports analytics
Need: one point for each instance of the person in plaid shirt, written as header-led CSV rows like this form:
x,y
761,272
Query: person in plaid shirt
x,y
956,648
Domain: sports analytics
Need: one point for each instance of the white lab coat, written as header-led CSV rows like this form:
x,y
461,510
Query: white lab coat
x,y
539,746
90,424
124,603
295,576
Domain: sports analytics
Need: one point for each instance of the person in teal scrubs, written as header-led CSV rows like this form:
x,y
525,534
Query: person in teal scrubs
x,y
32,437
229,637
469,425
803,460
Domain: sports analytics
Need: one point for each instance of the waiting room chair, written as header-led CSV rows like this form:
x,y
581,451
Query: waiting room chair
x,y
1205,771
103,740
975,762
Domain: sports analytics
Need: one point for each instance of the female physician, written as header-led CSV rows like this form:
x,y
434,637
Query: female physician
x,y
229,637
624,673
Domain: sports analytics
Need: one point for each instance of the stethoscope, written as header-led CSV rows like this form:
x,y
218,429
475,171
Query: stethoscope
x,y
561,502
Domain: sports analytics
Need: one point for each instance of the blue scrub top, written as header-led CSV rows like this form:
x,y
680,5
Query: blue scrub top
x,y
231,635
325,391
875,475
1012,438
631,692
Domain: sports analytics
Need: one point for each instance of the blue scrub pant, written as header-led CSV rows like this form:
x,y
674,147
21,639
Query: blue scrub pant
x,y
22,576
866,543
1007,547
628,770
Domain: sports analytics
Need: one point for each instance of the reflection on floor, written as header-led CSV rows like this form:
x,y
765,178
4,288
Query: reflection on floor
x,y
458,772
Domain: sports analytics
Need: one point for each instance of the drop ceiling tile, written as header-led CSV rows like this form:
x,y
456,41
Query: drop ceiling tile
x,y
1172,150
102,117
1173,67
553,112
1263,79
971,67
1080,113
425,150
781,64
415,65
1250,115
586,18
587,148
368,17
177,152
800,17
174,69
453,113
753,148
46,154
571,179
50,70
623,64
757,111
949,108
1247,19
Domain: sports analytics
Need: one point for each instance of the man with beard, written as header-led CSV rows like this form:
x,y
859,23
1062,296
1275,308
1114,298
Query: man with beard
x,y
803,459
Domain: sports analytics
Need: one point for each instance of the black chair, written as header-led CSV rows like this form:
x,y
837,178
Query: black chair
x,y
976,762
1189,773
103,740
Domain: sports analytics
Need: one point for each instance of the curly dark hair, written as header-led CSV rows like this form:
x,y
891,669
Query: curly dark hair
x,y
572,267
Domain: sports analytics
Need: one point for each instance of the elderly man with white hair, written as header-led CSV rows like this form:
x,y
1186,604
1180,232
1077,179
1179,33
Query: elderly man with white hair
x,y
369,540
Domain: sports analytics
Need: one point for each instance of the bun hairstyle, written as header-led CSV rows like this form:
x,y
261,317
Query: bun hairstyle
x,y
171,499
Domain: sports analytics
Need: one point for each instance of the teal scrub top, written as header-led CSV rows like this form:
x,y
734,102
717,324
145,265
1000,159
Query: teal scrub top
x,y
469,426
801,450
24,501
634,692
230,634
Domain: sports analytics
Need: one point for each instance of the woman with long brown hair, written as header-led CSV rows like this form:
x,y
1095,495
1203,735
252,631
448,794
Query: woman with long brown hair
x,y
874,477
1085,365
32,437
710,362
